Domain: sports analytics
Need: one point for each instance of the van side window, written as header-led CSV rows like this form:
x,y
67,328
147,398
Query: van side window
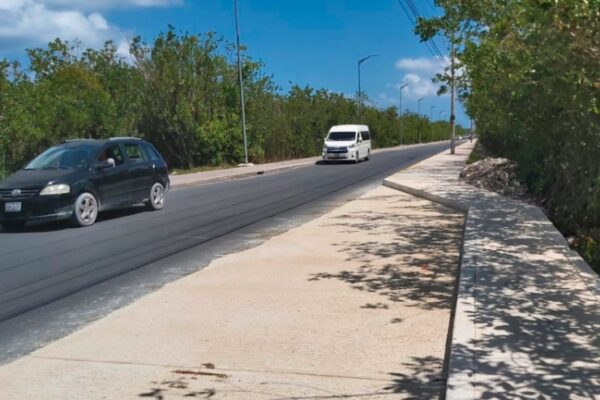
x,y
366,135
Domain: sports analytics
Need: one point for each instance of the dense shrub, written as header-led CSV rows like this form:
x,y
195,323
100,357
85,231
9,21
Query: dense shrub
x,y
181,92
532,83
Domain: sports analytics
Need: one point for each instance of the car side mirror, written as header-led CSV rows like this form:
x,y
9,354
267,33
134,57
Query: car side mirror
x,y
359,140
103,165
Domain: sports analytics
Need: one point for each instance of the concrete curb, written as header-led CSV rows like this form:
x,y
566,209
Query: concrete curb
x,y
241,175
461,354
426,195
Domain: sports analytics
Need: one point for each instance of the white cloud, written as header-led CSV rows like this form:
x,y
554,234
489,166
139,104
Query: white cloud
x,y
419,86
30,23
422,65
419,73
33,23
106,4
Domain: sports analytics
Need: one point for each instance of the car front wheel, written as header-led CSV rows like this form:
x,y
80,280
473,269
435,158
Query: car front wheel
x,y
157,197
85,210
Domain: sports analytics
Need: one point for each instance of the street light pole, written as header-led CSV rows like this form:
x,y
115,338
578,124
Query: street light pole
x,y
431,120
239,63
362,60
400,109
419,116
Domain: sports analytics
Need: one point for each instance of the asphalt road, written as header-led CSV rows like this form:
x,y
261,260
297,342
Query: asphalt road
x,y
49,263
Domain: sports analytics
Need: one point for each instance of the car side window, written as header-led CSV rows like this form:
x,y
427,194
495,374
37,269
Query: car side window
x,y
112,153
151,152
134,153
366,135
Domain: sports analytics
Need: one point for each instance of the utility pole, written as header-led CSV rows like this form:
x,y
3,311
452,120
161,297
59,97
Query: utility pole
x,y
452,100
400,109
419,116
239,62
362,60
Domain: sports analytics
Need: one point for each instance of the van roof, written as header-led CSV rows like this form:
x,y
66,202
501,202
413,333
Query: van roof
x,y
346,128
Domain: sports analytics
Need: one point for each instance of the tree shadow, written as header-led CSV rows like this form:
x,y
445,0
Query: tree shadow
x,y
535,320
416,267
411,257
424,382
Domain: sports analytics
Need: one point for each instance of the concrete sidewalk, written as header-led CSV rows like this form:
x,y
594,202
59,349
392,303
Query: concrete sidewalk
x,y
258,169
527,323
353,304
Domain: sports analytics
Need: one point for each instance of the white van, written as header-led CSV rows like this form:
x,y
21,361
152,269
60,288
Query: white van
x,y
347,142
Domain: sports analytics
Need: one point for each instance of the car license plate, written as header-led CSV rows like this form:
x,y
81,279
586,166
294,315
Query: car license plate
x,y
12,207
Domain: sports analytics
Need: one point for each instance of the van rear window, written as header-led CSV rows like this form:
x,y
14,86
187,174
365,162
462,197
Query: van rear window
x,y
342,136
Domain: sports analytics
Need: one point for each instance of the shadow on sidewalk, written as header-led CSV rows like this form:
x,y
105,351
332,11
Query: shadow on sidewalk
x,y
411,258
538,324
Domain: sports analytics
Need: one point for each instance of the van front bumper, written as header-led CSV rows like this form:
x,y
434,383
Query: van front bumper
x,y
350,155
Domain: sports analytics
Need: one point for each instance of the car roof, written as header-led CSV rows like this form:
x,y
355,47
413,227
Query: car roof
x,y
103,141
349,127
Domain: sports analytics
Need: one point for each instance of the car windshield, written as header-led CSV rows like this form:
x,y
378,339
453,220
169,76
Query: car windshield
x,y
342,136
64,157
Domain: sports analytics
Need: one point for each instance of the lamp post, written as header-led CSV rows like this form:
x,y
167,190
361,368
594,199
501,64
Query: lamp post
x,y
362,60
239,63
431,120
419,116
430,113
400,109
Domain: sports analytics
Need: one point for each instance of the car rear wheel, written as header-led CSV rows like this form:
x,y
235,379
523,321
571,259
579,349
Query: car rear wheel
x,y
85,210
13,225
368,155
157,197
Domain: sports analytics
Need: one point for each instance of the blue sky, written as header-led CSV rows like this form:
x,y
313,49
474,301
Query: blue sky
x,y
306,42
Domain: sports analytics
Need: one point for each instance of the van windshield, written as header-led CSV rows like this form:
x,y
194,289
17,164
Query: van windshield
x,y
342,136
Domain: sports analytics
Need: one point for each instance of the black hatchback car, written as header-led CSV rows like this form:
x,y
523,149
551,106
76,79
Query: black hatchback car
x,y
79,178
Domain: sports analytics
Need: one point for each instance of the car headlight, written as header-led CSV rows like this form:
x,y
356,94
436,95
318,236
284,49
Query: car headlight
x,y
60,188
353,145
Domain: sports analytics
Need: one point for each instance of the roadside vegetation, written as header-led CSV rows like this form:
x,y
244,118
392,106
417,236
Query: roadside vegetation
x,y
531,81
181,92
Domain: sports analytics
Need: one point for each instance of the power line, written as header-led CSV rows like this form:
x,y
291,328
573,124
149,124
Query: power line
x,y
412,13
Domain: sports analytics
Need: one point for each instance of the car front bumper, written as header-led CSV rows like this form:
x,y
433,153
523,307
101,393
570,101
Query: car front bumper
x,y
38,209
